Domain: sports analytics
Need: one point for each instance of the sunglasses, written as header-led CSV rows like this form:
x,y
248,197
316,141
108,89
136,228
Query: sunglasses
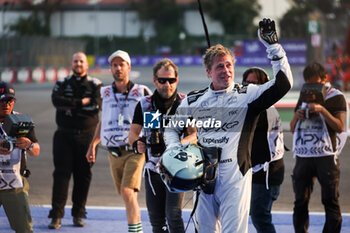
x,y
164,80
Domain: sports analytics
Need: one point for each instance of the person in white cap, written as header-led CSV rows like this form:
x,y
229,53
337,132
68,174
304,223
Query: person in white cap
x,y
118,103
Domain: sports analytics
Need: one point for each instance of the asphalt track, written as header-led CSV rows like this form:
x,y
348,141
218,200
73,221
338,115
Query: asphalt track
x,y
34,99
113,220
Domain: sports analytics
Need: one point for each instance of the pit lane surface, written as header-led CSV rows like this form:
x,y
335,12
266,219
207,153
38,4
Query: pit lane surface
x,y
35,100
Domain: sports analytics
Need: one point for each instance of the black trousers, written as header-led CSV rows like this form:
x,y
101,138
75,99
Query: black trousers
x,y
69,150
164,207
327,173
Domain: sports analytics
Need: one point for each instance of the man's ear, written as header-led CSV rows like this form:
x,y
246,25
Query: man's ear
x,y
208,73
154,81
129,67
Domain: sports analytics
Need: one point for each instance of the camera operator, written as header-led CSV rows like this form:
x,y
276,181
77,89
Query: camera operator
x,y
77,100
316,147
164,207
13,186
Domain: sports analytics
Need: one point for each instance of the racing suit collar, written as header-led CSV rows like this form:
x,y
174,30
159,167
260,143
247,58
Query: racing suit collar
x,y
79,78
228,89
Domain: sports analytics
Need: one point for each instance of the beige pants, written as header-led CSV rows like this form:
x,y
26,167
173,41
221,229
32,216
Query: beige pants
x,y
126,170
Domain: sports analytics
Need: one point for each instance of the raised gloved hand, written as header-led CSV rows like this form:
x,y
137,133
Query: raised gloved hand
x,y
267,32
268,36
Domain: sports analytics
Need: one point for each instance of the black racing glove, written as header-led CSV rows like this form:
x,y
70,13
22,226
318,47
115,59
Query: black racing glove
x,y
267,32
268,36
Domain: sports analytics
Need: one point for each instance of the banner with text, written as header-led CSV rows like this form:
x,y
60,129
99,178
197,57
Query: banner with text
x,y
248,53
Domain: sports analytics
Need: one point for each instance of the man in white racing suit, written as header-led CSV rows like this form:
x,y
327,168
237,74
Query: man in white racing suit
x,y
230,110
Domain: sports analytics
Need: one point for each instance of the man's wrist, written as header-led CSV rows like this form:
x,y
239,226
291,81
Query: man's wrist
x,y
30,148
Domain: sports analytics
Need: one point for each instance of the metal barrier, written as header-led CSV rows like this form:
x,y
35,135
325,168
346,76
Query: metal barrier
x,y
38,74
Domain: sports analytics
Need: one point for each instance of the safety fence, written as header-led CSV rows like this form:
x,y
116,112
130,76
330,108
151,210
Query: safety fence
x,y
28,75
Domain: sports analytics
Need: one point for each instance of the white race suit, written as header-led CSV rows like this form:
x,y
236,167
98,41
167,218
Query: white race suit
x,y
237,108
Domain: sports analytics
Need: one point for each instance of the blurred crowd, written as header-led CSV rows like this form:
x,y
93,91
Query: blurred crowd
x,y
338,70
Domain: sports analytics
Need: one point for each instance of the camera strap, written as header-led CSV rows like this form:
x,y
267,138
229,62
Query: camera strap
x,y
171,110
3,132
115,91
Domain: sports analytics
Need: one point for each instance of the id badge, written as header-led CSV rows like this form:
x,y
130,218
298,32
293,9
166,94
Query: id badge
x,y
120,120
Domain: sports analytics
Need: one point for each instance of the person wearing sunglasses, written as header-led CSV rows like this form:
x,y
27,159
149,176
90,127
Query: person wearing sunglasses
x,y
267,159
226,207
164,207
13,184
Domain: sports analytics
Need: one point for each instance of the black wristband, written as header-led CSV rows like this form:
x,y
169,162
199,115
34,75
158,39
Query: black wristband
x,y
134,145
275,58
30,148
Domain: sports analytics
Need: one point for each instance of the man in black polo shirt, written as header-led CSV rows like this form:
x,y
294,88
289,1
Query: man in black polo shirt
x,y
164,207
77,101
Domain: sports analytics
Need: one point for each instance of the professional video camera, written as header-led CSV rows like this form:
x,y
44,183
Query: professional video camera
x,y
312,93
15,126
156,142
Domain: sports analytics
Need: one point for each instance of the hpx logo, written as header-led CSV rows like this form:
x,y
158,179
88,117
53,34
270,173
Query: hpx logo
x,y
151,120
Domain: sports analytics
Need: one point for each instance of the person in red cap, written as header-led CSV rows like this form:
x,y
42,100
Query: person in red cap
x,y
13,184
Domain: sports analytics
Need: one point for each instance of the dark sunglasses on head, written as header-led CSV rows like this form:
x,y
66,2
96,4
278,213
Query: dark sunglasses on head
x,y
164,80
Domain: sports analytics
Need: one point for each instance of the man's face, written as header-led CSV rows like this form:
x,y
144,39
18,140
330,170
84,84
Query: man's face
x,y
221,72
6,106
120,69
164,86
79,64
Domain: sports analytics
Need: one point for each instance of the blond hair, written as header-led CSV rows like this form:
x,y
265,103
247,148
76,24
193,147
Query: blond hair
x,y
216,51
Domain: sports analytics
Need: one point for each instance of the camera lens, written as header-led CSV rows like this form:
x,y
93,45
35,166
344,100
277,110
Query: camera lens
x,y
8,145
154,139
157,143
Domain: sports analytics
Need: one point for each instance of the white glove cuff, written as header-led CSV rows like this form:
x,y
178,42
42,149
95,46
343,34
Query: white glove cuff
x,y
275,52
